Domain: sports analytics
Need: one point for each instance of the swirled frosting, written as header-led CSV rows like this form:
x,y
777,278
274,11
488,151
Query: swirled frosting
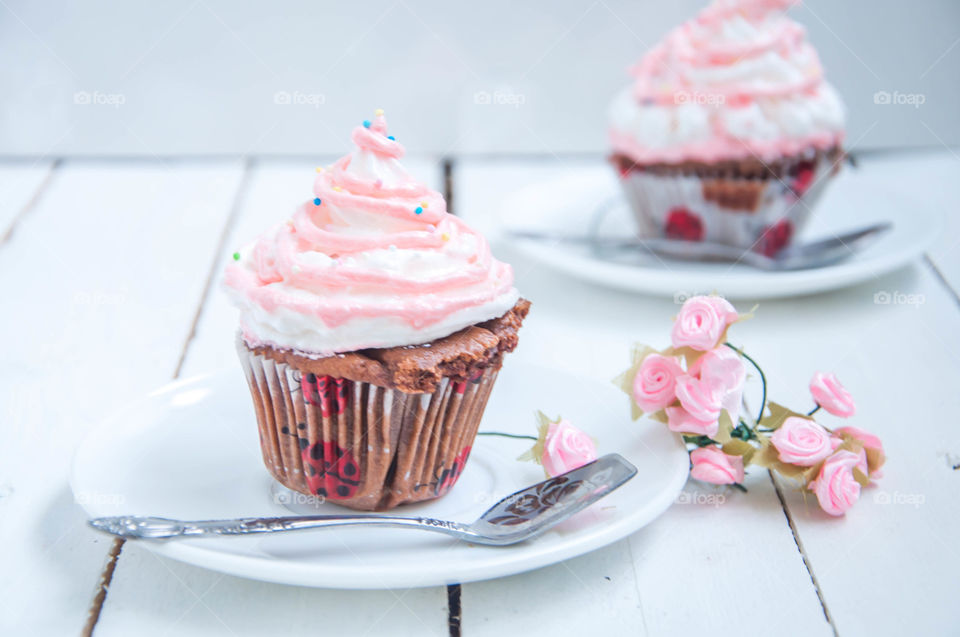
x,y
373,260
738,81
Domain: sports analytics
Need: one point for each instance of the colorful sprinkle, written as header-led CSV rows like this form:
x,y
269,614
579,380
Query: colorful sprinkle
x,y
317,201
236,256
319,169
423,204
295,269
337,189
419,210
445,236
391,138
366,123
378,112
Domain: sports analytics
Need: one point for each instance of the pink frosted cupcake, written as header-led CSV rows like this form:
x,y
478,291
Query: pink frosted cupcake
x,y
729,132
372,328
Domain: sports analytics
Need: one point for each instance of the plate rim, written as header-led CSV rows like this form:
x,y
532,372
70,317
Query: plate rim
x,y
498,563
749,284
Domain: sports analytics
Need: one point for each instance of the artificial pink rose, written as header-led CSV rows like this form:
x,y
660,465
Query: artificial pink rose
x,y
710,464
680,421
831,395
869,441
701,322
566,448
722,367
700,397
835,487
801,442
655,383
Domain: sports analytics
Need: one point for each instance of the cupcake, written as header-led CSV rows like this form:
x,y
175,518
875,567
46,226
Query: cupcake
x,y
372,328
729,132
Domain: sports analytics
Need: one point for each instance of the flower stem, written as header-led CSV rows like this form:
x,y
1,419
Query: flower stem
x,y
814,410
737,485
500,433
763,379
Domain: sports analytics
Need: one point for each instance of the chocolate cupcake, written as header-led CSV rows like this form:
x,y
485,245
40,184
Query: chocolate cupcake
x,y
729,133
372,328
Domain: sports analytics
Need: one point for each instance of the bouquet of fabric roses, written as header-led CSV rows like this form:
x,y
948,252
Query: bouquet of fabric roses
x,y
696,388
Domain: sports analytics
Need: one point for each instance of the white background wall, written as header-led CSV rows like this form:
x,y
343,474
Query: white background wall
x,y
203,76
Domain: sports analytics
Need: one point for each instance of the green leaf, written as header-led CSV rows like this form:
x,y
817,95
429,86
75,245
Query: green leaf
x,y
625,380
860,477
778,414
740,448
726,427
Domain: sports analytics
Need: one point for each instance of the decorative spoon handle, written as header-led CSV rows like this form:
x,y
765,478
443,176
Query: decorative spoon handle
x,y
145,527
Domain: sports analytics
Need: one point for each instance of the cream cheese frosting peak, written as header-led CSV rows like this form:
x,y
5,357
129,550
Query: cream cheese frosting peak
x,y
372,260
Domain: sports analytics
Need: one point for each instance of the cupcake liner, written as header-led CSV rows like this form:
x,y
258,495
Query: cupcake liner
x,y
760,213
358,444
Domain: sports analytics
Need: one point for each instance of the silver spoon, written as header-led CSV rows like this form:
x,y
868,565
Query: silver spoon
x,y
515,518
813,254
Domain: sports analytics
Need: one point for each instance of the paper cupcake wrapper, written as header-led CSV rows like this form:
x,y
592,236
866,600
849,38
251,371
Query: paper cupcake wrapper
x,y
361,445
760,214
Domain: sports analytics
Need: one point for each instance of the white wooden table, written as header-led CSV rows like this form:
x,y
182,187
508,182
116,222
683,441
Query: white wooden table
x,y
109,272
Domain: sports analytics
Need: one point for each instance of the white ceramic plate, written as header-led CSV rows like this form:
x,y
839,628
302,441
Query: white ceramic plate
x,y
567,205
190,451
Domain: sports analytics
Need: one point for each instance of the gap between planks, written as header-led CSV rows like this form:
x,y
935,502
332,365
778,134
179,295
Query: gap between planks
x,y
32,202
803,552
113,556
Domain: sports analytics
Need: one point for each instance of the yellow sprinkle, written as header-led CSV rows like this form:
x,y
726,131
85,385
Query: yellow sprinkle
x,y
378,112
423,204
319,169
336,188
445,236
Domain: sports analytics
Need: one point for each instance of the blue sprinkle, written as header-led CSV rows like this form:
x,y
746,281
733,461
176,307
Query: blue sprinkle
x,y
317,202
391,138
419,210
366,123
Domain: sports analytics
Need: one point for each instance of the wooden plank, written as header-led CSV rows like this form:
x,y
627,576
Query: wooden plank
x,y
701,559
100,283
20,183
155,595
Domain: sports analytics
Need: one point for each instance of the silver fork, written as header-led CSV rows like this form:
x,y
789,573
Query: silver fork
x,y
517,517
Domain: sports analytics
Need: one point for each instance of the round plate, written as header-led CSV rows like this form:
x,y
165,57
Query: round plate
x,y
190,451
566,205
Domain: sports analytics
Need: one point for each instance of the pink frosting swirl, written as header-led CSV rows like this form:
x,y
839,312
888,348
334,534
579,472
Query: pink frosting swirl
x,y
739,79
373,260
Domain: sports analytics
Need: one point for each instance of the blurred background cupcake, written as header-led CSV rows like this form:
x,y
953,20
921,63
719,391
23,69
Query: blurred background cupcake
x,y
729,132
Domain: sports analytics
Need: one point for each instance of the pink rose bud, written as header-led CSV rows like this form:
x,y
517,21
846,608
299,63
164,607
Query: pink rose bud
x,y
701,322
654,386
680,420
566,448
724,368
700,397
711,465
835,487
801,442
831,395
869,441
